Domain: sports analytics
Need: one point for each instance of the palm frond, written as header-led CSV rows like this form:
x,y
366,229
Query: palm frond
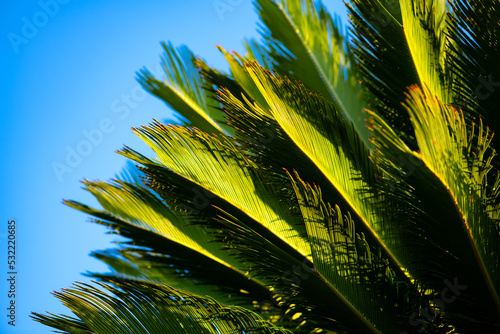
x,y
132,307
182,269
139,206
447,186
240,73
384,59
308,45
332,145
183,90
345,261
426,30
215,164
137,214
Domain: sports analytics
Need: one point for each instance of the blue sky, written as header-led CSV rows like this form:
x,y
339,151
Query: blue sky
x,y
68,73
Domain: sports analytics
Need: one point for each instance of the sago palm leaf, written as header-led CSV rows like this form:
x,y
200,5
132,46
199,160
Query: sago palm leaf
x,y
308,45
344,260
451,171
183,90
215,164
149,309
134,208
237,230
475,57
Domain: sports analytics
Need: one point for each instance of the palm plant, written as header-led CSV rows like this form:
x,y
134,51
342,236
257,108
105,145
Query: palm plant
x,y
326,184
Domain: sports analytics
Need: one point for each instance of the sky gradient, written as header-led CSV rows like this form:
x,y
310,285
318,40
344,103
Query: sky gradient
x,y
68,100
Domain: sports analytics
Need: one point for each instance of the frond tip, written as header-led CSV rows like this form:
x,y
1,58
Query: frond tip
x,y
184,90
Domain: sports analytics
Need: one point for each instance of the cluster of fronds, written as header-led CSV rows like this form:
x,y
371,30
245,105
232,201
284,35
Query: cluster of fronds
x,y
326,184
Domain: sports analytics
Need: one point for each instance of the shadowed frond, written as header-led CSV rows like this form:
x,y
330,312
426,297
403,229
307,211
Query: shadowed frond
x,y
475,57
447,185
345,261
384,58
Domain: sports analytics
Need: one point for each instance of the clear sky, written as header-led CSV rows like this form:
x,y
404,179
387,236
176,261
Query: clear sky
x,y
67,70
